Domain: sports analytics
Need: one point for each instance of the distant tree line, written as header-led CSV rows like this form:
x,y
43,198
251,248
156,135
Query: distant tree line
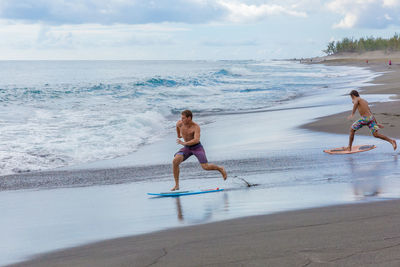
x,y
363,45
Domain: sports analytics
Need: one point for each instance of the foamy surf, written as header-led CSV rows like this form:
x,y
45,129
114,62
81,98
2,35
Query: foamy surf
x,y
62,113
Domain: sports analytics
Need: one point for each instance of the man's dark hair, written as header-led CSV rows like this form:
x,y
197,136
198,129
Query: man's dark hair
x,y
187,113
355,93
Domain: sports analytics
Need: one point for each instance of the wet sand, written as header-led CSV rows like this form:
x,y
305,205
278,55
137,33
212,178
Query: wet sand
x,y
349,235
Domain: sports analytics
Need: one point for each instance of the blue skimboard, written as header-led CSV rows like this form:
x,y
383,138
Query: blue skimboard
x,y
185,193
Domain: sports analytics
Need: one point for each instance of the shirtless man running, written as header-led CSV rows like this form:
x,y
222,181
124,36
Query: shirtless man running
x,y
190,131
366,119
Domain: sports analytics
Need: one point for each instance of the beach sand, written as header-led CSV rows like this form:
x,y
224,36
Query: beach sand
x,y
364,234
387,114
349,235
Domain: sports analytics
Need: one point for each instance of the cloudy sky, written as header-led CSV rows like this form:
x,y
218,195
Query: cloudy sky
x,y
187,29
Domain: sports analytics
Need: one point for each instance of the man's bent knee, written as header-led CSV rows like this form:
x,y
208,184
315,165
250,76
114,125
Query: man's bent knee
x,y
177,160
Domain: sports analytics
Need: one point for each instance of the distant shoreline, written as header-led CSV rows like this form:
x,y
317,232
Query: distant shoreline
x,y
387,113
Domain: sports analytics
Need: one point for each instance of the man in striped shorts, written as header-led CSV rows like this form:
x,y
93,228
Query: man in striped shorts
x,y
367,119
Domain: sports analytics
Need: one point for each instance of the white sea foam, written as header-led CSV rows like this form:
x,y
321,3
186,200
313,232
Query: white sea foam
x,y
55,114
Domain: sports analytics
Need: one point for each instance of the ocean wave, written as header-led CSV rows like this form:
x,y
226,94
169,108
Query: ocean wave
x,y
161,82
164,82
249,90
225,72
53,118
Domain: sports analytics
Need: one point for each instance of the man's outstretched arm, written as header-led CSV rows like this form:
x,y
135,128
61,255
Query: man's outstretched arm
x,y
178,129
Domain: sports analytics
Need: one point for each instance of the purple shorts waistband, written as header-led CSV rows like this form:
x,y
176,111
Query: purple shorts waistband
x,y
194,146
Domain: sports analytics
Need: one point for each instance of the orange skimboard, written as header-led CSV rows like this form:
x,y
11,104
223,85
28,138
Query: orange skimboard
x,y
354,149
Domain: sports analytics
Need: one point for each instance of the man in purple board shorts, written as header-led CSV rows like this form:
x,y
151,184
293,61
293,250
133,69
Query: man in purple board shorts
x,y
190,131
367,119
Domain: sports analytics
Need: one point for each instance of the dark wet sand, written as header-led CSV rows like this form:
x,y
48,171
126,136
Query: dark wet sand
x,y
192,170
351,235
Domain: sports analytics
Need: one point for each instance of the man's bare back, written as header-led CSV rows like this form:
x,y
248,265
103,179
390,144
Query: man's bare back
x,y
363,107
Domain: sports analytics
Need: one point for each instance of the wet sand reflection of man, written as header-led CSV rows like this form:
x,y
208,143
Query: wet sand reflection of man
x,y
368,181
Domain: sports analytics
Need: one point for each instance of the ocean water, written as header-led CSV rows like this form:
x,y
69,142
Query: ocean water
x,y
63,113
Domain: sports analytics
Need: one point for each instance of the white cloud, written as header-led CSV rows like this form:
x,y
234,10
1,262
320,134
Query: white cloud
x,y
70,37
366,13
241,12
54,39
388,17
391,3
59,12
349,21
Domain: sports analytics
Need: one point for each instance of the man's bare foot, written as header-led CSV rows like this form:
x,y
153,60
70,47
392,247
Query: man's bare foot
x,y
176,187
223,172
394,144
347,148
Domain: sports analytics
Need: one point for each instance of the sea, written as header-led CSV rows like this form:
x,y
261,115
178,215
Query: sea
x,y
64,113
